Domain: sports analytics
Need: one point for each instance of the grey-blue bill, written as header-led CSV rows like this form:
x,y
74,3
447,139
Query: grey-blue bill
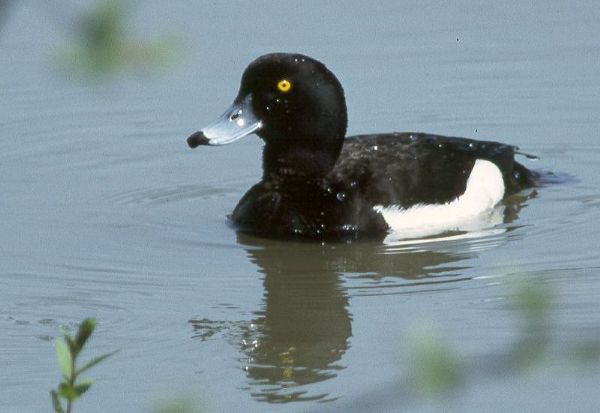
x,y
237,121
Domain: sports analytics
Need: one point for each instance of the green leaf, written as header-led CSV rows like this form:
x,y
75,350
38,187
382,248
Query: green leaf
x,y
67,391
56,403
64,358
72,345
95,361
83,387
85,331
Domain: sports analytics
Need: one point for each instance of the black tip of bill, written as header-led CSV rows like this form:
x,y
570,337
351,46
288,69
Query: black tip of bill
x,y
197,139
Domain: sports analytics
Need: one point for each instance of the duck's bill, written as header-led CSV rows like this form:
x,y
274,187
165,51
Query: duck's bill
x,y
237,121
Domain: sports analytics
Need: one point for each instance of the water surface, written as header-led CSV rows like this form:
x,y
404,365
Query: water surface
x,y
105,212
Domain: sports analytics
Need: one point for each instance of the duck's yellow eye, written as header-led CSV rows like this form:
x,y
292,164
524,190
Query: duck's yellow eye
x,y
284,85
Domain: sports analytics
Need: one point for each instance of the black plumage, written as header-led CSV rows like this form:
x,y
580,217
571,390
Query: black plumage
x,y
319,185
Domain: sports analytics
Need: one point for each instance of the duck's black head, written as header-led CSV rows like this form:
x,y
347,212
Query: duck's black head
x,y
295,104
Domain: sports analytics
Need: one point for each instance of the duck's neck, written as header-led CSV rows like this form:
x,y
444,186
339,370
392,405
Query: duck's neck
x,y
294,165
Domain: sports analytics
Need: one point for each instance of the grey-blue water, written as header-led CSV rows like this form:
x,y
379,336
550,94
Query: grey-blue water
x,y
105,212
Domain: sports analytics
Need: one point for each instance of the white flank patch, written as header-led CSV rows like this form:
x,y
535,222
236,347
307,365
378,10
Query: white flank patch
x,y
473,210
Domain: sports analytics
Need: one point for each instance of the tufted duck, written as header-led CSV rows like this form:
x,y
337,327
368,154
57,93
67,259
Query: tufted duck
x,y
318,184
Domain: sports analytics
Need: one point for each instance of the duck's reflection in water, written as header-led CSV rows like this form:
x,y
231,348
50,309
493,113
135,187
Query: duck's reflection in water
x,y
305,326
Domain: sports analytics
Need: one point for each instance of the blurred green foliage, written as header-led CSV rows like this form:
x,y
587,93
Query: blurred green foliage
x,y
181,404
435,368
103,45
534,302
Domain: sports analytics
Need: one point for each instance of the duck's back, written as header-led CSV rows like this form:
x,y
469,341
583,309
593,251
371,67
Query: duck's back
x,y
405,169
